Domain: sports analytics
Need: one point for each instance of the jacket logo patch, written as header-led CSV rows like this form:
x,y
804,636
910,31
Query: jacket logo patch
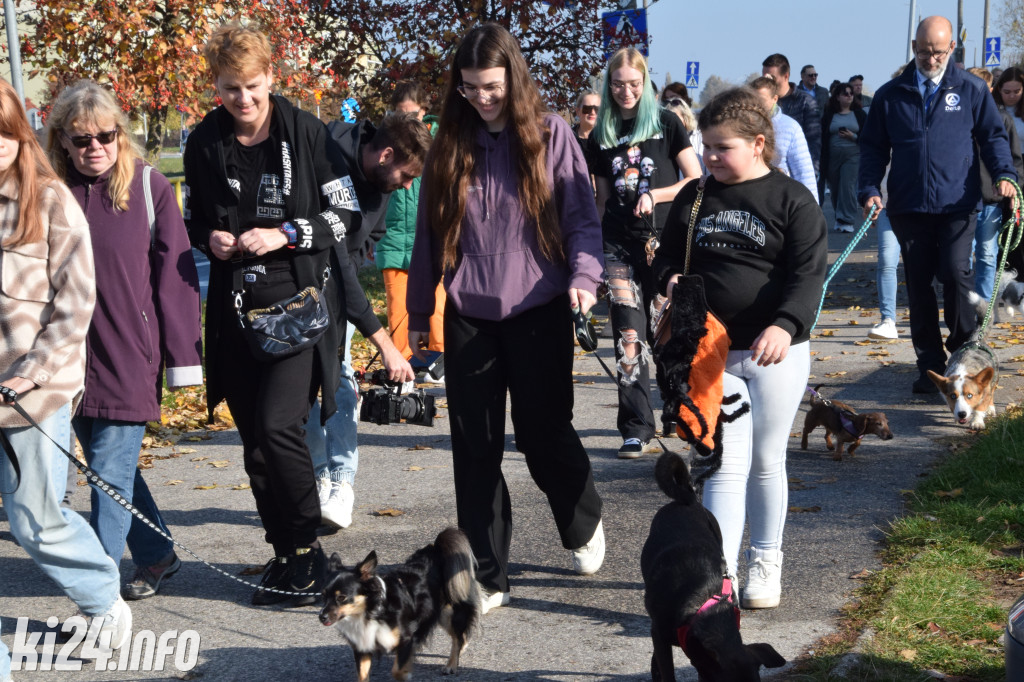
x,y
952,99
341,193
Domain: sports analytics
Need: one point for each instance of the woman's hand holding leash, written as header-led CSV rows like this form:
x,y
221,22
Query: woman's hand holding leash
x,y
223,245
640,210
260,241
582,299
771,346
14,387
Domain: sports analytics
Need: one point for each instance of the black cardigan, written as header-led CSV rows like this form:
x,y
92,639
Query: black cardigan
x,y
320,219
826,147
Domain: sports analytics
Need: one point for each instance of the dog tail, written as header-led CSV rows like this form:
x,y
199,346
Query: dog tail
x,y
673,476
459,567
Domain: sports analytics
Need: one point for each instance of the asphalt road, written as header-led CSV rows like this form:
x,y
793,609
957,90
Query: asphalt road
x,y
559,626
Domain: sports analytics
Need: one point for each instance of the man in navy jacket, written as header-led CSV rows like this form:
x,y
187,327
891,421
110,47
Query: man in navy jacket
x,y
926,121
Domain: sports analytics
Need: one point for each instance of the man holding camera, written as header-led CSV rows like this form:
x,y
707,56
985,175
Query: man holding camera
x,y
371,162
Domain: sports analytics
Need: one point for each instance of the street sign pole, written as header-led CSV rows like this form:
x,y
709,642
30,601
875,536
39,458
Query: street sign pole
x,y
14,49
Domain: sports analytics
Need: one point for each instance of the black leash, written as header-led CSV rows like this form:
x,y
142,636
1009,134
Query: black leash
x,y
10,398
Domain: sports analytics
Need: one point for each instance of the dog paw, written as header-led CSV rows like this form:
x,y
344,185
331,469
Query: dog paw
x,y
449,670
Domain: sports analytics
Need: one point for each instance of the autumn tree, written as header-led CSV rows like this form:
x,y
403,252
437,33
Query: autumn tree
x,y
150,52
713,86
373,44
1011,25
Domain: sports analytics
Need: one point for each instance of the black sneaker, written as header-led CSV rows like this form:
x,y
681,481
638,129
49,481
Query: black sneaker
x,y
146,582
275,577
307,573
924,385
632,448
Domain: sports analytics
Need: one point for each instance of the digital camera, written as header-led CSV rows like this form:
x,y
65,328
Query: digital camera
x,y
386,404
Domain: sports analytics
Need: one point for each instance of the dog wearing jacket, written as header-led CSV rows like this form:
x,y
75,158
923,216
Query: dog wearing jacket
x,y
396,611
687,591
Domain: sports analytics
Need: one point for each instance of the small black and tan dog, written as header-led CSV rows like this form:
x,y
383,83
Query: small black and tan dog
x,y
396,611
688,592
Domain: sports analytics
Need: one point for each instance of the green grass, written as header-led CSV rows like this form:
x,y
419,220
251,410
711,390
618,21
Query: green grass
x,y
941,600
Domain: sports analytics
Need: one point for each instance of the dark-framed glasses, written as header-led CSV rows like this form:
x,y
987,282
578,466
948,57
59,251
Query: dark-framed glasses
x,y
926,55
83,141
588,109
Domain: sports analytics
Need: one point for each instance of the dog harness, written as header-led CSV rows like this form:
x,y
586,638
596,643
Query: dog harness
x,y
844,415
724,596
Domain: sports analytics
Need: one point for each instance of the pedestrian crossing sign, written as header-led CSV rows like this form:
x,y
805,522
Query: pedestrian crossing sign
x,y
692,74
992,59
691,82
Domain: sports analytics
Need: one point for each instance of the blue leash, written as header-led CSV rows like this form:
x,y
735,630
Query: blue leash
x,y
842,259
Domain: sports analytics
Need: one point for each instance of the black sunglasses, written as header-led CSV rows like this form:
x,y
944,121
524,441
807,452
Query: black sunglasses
x,y
83,141
676,101
589,109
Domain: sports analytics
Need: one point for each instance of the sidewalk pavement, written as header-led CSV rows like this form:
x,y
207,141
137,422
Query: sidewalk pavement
x,y
559,626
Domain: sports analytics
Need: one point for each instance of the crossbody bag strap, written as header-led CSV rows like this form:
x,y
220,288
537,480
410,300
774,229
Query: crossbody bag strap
x,y
147,190
693,221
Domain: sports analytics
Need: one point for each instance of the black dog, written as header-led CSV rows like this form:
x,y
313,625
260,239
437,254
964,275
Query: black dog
x,y
397,611
688,593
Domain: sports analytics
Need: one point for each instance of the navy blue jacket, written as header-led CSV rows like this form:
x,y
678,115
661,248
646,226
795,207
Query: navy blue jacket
x,y
934,165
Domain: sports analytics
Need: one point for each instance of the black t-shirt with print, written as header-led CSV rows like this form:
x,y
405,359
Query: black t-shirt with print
x,y
760,247
254,172
633,169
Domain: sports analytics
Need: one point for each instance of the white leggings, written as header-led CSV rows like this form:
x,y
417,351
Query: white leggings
x,y
752,482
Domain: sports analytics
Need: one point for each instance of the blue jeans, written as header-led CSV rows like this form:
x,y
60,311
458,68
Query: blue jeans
x,y
986,248
59,540
888,261
333,447
112,451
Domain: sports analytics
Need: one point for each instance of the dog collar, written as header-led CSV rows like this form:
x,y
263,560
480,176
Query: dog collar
x,y
724,596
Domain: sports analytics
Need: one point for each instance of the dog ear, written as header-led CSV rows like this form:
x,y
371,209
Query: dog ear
x,y
335,564
367,566
937,379
985,375
766,655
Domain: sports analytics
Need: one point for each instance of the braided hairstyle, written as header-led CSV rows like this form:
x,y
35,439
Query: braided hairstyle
x,y
741,111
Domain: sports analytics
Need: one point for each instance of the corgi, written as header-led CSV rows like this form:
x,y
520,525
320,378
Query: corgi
x,y
969,383
396,611
1008,290
688,592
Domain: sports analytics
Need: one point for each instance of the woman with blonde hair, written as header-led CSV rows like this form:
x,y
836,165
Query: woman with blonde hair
x,y
642,157
146,322
47,294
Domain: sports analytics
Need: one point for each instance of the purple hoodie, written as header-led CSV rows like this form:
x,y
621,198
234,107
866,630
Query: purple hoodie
x,y
501,271
147,301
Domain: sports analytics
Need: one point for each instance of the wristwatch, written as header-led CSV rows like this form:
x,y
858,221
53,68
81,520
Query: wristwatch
x,y
288,230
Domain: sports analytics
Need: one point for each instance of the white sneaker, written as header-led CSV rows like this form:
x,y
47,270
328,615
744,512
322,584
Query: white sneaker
x,y
764,579
428,379
587,559
337,510
886,329
115,631
323,488
492,600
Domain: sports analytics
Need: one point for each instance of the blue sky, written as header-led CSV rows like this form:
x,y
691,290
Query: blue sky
x,y
730,38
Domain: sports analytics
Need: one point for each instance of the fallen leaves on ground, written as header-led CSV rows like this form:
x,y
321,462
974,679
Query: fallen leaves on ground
x,y
388,512
802,510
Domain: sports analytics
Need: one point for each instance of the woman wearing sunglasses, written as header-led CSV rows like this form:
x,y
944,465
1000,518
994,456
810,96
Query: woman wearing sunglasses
x,y
643,157
146,322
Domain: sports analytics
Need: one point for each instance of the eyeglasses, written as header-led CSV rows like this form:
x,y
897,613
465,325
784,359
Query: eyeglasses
x,y
677,101
635,86
936,56
811,75
589,109
83,141
487,92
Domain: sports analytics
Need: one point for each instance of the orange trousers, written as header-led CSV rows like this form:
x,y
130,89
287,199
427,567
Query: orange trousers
x,y
395,283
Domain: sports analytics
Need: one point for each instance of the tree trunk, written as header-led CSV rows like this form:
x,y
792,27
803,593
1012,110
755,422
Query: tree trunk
x,y
155,136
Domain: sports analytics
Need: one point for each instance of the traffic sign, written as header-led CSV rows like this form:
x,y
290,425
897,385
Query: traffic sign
x,y
992,50
692,74
626,28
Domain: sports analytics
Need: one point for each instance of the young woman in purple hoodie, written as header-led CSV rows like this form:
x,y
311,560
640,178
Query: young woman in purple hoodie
x,y
146,323
507,217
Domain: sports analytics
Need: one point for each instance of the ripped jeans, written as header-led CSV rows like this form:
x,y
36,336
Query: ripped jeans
x,y
631,288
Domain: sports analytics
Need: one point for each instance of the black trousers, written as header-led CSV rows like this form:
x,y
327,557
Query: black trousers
x,y
270,403
529,357
937,247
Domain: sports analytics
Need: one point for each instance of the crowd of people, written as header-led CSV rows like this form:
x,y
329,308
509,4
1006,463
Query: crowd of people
x,y
518,222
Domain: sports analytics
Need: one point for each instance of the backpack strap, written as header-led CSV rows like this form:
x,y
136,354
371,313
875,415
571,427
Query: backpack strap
x,y
147,189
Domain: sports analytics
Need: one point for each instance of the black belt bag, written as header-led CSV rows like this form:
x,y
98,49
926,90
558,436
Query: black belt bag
x,y
286,327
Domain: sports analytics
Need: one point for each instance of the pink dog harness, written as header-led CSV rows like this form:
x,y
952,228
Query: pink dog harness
x,y
725,595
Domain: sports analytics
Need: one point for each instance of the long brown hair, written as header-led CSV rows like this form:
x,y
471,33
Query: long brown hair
x,y
84,103
30,170
451,162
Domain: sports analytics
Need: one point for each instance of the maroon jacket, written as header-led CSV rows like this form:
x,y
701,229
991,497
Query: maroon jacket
x,y
147,300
